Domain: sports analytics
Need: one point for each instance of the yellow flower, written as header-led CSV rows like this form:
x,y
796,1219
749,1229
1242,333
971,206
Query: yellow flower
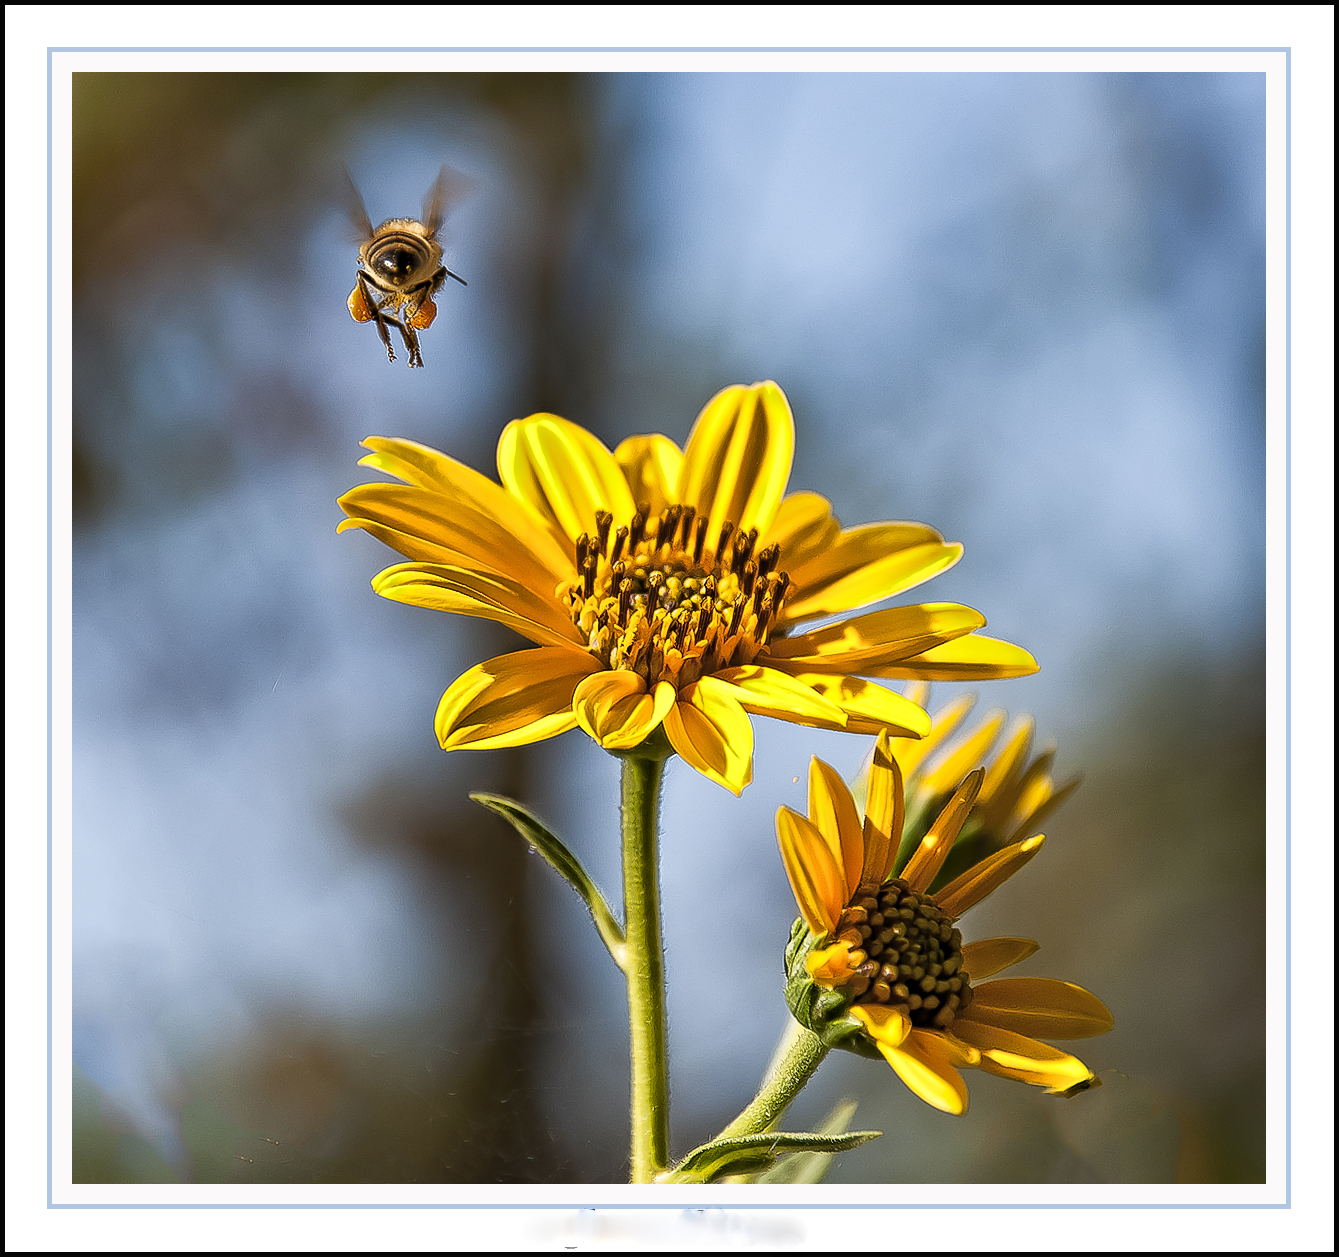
x,y
664,587
882,963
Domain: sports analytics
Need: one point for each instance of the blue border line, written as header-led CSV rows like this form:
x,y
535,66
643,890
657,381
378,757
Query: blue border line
x,y
672,1206
1287,621
1286,1203
50,744
723,48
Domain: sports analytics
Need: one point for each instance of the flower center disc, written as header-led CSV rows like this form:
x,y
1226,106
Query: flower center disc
x,y
654,599
913,954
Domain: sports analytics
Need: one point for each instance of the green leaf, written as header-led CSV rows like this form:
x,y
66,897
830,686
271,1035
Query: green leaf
x,y
555,851
811,1167
750,1154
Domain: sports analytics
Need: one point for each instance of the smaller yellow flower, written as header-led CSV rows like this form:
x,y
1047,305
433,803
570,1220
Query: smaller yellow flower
x,y
879,963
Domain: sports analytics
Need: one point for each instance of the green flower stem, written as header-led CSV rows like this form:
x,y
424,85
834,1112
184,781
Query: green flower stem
x,y
798,1056
645,967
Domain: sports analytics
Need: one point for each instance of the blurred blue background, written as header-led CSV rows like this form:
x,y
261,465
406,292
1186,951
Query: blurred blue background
x,y
1027,309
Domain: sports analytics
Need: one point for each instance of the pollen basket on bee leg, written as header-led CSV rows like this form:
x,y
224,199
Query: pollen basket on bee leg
x,y
425,314
358,306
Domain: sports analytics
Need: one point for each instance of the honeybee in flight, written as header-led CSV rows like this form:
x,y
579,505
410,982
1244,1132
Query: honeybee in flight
x,y
400,266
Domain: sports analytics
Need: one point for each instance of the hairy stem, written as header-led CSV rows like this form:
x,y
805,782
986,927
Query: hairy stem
x,y
645,967
798,1056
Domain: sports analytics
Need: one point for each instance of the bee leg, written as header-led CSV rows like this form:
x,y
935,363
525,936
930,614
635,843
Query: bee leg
x,y
381,320
409,323
410,338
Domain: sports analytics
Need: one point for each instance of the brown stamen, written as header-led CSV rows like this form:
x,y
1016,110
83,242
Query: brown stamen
x,y
747,578
700,538
637,529
652,598
654,584
686,518
669,524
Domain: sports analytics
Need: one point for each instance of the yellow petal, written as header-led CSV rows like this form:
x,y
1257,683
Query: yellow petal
x,y
928,858
869,708
711,731
804,526
926,1063
850,548
919,693
1007,765
886,1026
942,724
616,709
431,527
1026,818
651,713
866,565
601,692
970,658
738,456
884,813
1042,1007
975,884
441,587
419,465
950,1048
814,875
832,811
1004,813
862,643
513,700
990,955
651,466
562,471
1021,1058
767,692
1031,800
423,550
967,755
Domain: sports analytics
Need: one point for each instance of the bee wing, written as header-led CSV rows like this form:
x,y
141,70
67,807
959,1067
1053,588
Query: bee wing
x,y
359,223
448,189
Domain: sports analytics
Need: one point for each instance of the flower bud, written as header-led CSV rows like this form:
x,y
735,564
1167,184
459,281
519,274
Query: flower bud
x,y
820,1009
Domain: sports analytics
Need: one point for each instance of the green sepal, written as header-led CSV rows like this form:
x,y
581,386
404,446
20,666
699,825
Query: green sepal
x,y
751,1154
555,851
819,1008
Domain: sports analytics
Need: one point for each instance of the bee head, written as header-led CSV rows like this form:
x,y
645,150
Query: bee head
x,y
396,264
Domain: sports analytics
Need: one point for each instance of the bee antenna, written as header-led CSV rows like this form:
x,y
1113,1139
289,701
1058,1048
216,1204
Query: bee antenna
x,y
453,275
